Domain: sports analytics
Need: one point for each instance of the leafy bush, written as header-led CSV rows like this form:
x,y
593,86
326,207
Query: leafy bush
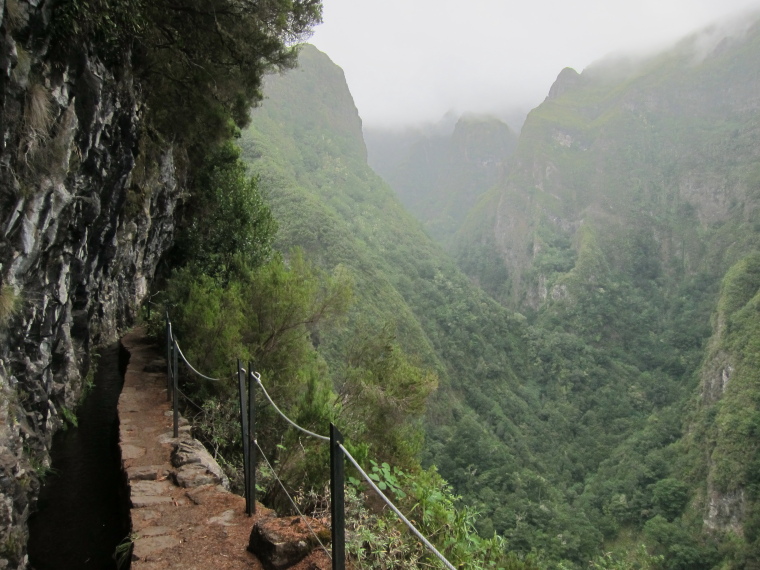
x,y
229,227
378,540
635,560
202,60
111,25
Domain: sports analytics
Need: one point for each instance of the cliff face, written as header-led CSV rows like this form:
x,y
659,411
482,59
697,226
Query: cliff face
x,y
726,416
662,150
87,202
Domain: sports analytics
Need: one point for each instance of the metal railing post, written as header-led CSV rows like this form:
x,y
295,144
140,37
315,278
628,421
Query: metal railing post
x,y
245,434
175,390
168,357
337,500
251,482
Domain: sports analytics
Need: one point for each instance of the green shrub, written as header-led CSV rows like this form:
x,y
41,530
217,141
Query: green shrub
x,y
228,226
379,540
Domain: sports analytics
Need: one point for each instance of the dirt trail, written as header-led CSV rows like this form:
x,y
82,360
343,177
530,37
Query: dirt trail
x,y
173,527
193,528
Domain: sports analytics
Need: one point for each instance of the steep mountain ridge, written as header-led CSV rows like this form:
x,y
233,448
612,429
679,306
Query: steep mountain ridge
x,y
634,189
632,192
665,147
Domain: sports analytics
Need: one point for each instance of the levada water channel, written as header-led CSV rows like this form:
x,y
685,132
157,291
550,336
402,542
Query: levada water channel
x,y
83,509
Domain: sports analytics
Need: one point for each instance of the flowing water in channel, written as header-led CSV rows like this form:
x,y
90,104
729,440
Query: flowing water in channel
x,y
83,511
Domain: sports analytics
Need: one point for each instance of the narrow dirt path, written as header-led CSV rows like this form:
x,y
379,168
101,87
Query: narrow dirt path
x,y
190,526
172,527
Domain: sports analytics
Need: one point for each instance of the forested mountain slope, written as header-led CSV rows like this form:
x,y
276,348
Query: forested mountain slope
x,y
559,431
308,150
305,143
633,198
628,218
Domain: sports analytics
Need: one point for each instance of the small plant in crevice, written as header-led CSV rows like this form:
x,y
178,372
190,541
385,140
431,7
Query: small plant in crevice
x,y
13,14
88,381
40,466
10,303
70,417
123,552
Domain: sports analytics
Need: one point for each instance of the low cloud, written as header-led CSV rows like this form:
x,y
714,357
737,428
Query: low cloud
x,y
412,62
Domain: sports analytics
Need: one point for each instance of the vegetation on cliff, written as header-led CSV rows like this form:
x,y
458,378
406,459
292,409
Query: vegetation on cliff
x,y
631,194
366,365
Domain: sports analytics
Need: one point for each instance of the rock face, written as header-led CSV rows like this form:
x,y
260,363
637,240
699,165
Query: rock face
x,y
566,80
282,542
639,150
195,466
87,205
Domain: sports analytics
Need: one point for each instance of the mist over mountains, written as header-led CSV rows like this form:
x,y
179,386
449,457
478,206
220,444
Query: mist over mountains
x,y
586,291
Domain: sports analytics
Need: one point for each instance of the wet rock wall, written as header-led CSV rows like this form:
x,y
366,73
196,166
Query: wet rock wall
x,y
87,202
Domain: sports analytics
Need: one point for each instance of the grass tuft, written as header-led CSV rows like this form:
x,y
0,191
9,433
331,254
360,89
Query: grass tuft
x,y
38,111
23,64
10,302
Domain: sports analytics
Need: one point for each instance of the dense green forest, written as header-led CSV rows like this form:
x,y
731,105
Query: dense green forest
x,y
627,219
499,415
576,386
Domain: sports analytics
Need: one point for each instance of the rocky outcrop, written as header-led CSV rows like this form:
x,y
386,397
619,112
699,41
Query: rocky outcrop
x,y
282,542
566,80
726,511
87,204
195,466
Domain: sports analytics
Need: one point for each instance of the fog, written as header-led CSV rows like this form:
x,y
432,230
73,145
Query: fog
x,y
412,61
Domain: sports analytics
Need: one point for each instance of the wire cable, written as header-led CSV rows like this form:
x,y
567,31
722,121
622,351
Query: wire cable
x,y
399,514
181,393
257,376
292,502
190,366
353,461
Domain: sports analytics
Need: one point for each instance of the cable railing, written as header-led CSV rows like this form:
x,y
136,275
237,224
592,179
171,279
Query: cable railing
x,y
248,380
292,502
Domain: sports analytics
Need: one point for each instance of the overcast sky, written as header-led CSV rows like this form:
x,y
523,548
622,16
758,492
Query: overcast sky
x,y
411,61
